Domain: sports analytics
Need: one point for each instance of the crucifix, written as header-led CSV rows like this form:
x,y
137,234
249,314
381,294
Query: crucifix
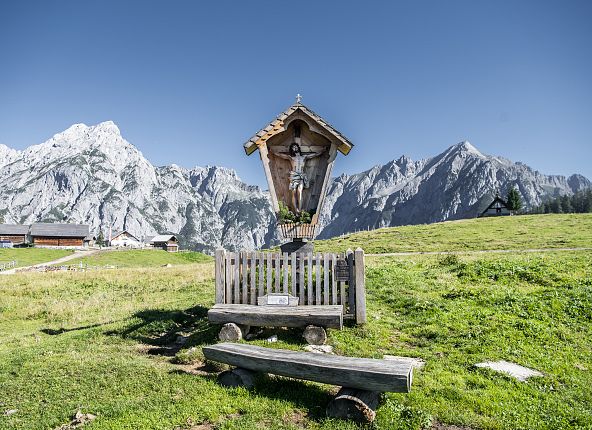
x,y
298,178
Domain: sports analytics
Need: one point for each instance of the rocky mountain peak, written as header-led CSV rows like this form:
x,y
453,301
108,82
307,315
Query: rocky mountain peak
x,y
465,147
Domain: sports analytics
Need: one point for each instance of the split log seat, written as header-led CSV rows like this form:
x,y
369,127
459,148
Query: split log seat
x,y
360,373
328,316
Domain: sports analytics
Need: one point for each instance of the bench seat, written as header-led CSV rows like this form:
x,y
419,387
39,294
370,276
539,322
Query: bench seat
x,y
328,316
360,373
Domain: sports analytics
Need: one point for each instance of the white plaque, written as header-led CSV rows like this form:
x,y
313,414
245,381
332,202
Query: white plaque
x,y
282,300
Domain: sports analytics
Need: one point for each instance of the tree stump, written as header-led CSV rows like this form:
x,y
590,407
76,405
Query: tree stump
x,y
353,404
315,335
231,332
237,378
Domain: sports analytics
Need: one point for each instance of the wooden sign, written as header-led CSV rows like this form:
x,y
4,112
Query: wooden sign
x,y
275,299
341,270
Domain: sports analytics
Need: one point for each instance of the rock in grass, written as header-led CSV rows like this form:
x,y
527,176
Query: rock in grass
x,y
78,420
319,349
516,371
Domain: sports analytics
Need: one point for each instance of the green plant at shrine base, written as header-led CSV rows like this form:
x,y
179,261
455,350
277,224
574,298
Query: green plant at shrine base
x,y
285,215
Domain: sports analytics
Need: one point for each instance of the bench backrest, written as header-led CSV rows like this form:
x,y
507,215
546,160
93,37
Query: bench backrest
x,y
316,279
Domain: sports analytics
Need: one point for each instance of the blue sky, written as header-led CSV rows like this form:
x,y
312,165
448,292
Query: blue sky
x,y
189,81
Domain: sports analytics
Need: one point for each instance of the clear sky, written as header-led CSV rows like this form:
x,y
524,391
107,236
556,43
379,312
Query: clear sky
x,y
189,81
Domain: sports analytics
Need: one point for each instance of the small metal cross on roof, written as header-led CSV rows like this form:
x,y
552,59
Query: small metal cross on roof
x,y
298,98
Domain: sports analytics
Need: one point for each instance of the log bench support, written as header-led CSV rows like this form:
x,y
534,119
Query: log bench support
x,y
355,405
362,379
231,332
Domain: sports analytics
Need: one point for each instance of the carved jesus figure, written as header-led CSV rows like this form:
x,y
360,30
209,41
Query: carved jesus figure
x,y
298,178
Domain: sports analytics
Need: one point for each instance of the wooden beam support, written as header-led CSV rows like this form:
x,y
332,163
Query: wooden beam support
x,y
360,286
220,275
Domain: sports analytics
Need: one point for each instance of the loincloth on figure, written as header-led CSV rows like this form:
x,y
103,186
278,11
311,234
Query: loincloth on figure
x,y
297,178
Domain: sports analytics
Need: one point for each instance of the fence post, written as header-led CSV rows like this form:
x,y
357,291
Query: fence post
x,y
351,288
360,286
220,275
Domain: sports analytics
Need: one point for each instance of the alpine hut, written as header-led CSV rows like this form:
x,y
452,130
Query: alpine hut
x,y
15,233
126,239
168,242
497,207
49,234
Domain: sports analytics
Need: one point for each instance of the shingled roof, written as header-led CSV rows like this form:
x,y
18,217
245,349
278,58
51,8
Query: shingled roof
x,y
159,238
277,126
59,230
13,229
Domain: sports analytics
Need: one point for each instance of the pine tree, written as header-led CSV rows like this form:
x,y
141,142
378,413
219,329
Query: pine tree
x,y
513,200
566,205
101,238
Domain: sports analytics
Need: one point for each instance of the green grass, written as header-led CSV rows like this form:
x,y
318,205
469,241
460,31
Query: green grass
x,y
515,232
141,258
31,256
101,341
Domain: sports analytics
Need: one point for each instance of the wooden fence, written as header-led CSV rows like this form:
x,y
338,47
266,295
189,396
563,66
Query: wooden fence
x,y
7,266
316,279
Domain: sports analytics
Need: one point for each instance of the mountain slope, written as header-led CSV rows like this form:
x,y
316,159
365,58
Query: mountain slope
x,y
459,183
91,174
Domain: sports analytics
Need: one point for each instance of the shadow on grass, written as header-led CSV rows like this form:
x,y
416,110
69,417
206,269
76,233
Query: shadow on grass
x,y
311,397
54,332
168,331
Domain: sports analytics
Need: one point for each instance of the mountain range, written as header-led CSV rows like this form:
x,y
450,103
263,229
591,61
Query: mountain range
x,y
92,175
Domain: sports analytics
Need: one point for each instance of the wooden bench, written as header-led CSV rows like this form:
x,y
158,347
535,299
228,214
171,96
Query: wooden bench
x,y
322,284
362,379
329,316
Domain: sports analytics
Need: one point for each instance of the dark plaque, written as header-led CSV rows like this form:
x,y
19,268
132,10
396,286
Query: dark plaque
x,y
341,270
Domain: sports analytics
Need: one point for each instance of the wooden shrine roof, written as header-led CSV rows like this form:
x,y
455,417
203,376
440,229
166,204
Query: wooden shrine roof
x,y
277,126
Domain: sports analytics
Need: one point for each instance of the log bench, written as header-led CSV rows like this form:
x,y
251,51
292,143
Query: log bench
x,y
362,379
237,319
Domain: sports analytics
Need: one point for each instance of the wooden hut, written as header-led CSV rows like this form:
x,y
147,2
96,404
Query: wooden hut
x,y
15,233
126,239
48,234
497,207
301,188
168,242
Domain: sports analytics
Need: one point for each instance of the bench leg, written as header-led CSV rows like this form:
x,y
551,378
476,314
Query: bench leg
x,y
231,332
315,335
354,404
238,377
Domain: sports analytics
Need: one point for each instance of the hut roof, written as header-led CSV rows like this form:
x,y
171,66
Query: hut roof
x,y
497,200
163,238
277,126
119,233
13,229
59,230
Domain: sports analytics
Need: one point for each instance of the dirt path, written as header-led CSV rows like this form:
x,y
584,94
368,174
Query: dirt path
x,y
74,255
479,251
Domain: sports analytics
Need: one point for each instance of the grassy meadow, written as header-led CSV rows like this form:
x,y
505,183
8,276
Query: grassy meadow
x,y
510,232
125,345
141,258
31,256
